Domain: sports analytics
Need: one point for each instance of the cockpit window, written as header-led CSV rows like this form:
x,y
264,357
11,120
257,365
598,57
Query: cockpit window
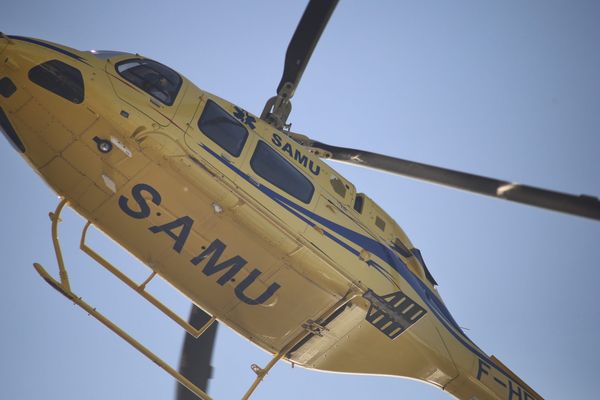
x,y
59,78
157,80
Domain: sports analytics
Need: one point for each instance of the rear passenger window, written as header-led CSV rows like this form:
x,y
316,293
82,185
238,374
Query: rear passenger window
x,y
59,78
222,128
271,166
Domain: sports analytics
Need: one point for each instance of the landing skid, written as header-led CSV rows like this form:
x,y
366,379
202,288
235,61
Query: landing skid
x,y
63,286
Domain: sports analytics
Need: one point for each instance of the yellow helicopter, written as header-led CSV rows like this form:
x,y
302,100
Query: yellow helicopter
x,y
286,238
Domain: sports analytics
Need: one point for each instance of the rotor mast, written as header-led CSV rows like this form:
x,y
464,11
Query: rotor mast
x,y
307,34
278,108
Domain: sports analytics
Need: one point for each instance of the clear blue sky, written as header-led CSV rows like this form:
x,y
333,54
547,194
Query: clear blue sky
x,y
507,89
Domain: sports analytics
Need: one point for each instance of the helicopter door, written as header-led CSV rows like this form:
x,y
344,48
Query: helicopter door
x,y
217,137
152,88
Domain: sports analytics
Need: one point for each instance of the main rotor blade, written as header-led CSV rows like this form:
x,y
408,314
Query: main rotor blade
x,y
582,205
305,39
196,355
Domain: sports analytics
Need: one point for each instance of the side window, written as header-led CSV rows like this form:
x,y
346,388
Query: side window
x,y
401,248
157,80
358,203
338,186
271,166
59,78
222,128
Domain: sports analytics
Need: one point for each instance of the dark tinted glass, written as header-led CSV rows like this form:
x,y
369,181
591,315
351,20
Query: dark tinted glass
x,y
222,128
358,203
401,248
59,78
270,165
157,80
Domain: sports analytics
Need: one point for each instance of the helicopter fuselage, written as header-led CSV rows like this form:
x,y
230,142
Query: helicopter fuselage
x,y
244,221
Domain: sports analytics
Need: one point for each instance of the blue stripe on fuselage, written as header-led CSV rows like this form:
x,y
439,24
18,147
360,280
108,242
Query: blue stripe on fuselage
x,y
51,47
377,248
362,241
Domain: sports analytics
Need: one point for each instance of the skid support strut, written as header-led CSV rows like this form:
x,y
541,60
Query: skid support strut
x,y
311,327
262,372
64,288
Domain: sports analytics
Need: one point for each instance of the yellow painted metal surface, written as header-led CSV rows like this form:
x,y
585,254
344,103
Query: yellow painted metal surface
x,y
264,263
